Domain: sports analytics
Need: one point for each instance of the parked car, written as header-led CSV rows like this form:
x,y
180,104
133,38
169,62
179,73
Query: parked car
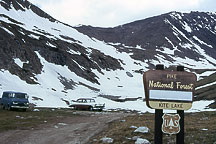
x,y
14,100
87,104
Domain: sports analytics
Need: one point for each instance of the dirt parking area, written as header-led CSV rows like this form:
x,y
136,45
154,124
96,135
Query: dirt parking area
x,y
53,126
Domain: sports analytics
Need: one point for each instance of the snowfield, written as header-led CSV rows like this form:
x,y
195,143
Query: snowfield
x,y
50,90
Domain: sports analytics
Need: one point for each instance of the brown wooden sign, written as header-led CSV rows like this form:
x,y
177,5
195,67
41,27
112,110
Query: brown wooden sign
x,y
171,124
169,89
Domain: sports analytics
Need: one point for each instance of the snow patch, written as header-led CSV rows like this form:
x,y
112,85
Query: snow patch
x,y
71,51
21,5
187,27
213,83
202,105
202,42
23,40
142,129
34,36
8,31
51,45
19,62
107,140
116,44
176,16
204,74
142,141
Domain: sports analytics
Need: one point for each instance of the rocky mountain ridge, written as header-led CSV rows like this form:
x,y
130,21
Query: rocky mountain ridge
x,y
182,34
55,62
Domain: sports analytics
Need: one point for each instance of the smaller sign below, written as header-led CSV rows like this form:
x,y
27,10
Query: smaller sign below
x,y
171,123
170,105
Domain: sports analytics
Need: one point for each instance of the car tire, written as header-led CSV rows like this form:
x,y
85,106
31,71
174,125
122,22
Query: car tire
x,y
10,108
90,108
23,110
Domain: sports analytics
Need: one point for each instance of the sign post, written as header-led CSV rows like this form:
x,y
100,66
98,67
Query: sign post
x,y
158,119
172,90
180,135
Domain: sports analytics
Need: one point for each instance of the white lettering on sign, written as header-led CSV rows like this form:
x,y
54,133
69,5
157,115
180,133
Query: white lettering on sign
x,y
163,105
166,105
172,105
160,85
171,85
185,87
171,76
176,106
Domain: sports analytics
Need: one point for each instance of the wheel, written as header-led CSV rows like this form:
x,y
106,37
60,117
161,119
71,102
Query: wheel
x,y
90,108
24,109
75,108
10,108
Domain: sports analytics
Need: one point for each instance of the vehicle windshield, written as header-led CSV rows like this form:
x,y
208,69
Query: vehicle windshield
x,y
20,95
85,100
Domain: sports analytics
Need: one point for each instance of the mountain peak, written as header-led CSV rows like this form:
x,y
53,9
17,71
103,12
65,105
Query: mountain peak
x,y
24,5
17,4
174,31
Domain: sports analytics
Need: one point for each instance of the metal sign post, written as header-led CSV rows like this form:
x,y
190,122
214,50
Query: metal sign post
x,y
158,137
169,90
180,135
158,134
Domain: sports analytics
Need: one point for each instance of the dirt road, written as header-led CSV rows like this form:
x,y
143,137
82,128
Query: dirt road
x,y
71,130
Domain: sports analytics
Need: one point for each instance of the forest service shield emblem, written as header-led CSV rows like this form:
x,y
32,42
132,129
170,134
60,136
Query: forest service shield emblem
x,y
171,123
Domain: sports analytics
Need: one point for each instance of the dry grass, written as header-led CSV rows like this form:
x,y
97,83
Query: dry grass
x,y
199,128
10,120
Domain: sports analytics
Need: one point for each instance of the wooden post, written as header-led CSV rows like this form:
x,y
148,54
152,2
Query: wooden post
x,y
180,135
158,134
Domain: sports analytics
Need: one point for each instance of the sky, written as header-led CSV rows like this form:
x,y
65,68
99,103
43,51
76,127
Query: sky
x,y
111,13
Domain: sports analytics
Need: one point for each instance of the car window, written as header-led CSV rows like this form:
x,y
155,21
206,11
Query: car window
x,y
79,100
92,100
10,95
20,95
5,95
88,101
85,101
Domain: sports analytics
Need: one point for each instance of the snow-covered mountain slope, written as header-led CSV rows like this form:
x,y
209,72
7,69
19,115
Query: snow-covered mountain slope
x,y
54,63
173,38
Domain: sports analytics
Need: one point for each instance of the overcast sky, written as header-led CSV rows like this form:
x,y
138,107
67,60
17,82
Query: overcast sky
x,y
110,13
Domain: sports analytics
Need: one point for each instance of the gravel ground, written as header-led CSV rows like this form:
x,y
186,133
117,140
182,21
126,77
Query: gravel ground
x,y
72,130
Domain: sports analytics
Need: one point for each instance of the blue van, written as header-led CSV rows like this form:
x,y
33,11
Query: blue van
x,y
14,100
